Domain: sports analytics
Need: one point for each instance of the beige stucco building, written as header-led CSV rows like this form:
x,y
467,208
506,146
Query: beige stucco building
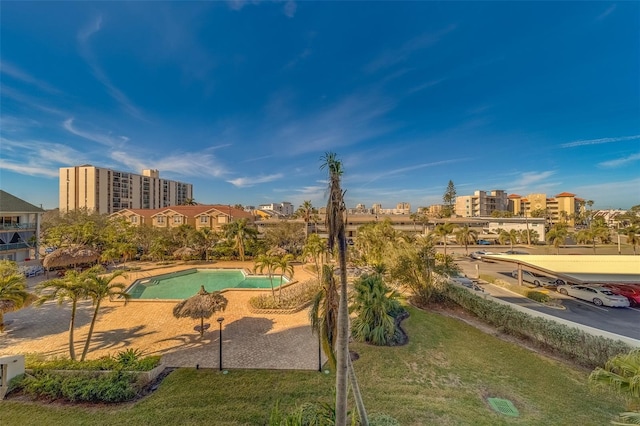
x,y
481,203
200,216
563,208
108,191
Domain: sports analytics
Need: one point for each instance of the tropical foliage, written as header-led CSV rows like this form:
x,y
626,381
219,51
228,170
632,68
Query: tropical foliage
x,y
622,373
13,289
71,288
373,306
100,286
324,313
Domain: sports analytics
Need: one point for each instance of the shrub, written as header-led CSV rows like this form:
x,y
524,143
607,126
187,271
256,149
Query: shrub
x,y
538,296
584,348
85,387
294,296
119,362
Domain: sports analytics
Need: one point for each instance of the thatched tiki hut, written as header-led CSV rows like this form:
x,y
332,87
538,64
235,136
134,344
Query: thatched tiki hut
x,y
200,306
184,253
70,256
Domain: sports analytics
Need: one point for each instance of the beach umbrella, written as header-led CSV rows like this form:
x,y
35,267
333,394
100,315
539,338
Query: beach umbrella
x,y
200,306
67,256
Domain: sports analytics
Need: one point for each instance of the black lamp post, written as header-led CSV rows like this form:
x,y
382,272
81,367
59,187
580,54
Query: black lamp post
x,y
220,337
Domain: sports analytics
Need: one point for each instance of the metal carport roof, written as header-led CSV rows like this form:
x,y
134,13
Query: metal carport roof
x,y
579,269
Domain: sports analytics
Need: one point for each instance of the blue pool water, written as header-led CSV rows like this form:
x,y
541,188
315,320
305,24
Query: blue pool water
x,y
184,284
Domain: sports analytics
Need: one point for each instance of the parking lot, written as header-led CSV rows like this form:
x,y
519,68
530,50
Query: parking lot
x,y
623,321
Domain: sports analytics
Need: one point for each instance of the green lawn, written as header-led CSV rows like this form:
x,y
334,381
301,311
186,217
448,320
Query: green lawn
x,y
442,377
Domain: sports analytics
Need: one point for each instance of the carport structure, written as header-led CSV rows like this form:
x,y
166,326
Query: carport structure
x,y
577,269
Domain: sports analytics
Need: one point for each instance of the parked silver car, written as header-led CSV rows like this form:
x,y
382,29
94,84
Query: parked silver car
x,y
536,279
598,295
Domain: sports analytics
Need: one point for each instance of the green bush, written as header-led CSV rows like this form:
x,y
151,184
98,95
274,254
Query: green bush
x,y
538,296
86,387
122,361
293,296
572,342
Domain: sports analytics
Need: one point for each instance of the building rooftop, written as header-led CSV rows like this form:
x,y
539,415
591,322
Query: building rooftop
x,y
12,204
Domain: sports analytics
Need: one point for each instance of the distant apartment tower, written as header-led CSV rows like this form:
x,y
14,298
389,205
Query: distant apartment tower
x,y
563,208
284,208
108,191
481,203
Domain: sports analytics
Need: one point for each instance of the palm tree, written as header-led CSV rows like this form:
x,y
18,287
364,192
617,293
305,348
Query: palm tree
x,y
373,302
71,288
335,223
189,202
557,236
324,313
267,262
240,231
99,287
314,247
305,211
443,230
13,289
466,235
283,264
622,373
633,236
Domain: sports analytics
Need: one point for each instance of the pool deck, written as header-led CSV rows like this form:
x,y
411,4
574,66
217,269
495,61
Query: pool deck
x,y
249,340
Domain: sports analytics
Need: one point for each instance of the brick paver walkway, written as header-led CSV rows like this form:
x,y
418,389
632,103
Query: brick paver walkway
x,y
271,341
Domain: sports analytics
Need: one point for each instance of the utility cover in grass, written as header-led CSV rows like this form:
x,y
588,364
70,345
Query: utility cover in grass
x,y
504,406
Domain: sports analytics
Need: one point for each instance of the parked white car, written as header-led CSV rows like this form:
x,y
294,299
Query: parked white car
x,y
536,279
598,295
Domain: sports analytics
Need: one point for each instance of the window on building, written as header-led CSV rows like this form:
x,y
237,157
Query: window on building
x,y
204,219
177,219
160,219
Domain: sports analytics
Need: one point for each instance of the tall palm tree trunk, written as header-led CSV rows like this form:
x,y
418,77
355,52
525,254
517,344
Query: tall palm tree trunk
x,y
93,323
72,351
342,350
362,411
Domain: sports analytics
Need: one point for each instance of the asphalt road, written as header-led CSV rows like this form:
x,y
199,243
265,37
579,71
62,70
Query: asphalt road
x,y
623,321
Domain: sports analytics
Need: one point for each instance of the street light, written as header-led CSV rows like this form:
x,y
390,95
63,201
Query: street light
x,y
220,340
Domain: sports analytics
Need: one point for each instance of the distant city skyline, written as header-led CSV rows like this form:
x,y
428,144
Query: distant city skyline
x,y
243,99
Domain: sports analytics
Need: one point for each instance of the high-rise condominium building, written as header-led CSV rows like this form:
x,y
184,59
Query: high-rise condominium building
x,y
108,191
481,203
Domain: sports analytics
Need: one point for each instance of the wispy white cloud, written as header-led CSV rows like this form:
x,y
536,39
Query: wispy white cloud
x,y
606,13
392,57
28,100
532,178
620,161
84,37
426,85
18,74
244,182
101,138
36,158
599,141
290,8
349,121
611,194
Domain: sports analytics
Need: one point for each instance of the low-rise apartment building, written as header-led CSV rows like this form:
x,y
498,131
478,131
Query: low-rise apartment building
x,y
107,191
19,228
200,216
563,208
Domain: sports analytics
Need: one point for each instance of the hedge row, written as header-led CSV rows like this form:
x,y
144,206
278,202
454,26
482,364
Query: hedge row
x,y
78,387
582,347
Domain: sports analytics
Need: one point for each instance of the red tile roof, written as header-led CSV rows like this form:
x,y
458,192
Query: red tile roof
x,y
565,194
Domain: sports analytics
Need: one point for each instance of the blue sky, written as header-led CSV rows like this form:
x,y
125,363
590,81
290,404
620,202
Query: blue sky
x,y
243,98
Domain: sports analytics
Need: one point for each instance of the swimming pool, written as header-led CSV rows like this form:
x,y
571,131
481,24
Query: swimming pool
x,y
184,284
